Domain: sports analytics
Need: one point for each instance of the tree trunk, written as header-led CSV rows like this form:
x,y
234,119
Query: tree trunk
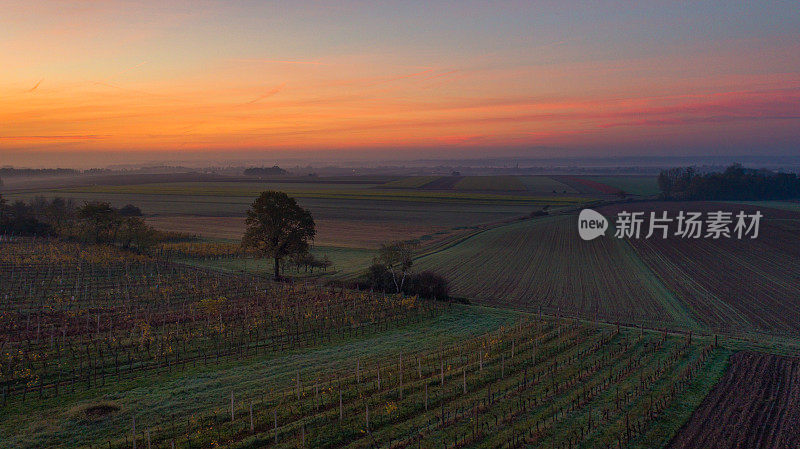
x,y
277,269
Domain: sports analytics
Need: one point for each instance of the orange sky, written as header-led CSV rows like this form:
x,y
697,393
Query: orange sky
x,y
221,76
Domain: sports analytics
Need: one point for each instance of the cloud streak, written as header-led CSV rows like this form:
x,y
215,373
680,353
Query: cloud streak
x,y
35,86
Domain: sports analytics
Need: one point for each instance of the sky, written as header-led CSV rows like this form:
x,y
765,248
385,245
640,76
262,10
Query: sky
x,y
110,81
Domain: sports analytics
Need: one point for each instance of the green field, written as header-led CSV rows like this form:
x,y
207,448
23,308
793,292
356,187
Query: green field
x,y
491,183
637,185
545,184
411,182
345,261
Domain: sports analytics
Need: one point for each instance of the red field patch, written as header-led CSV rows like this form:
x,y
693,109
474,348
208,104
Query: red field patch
x,y
755,405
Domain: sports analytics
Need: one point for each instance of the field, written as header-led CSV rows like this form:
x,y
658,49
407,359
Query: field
x,y
353,215
112,351
339,233
349,215
545,184
411,182
636,185
543,263
502,183
336,192
782,205
756,404
589,185
609,343
730,285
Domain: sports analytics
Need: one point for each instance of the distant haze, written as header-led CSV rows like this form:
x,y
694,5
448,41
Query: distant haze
x,y
87,83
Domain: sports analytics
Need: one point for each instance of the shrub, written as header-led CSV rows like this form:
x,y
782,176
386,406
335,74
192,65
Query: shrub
x,y
130,211
428,284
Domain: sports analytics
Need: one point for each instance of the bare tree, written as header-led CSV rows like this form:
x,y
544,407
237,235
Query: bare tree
x,y
397,257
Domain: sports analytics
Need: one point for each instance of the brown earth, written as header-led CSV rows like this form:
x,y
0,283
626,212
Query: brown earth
x,y
729,284
333,232
756,405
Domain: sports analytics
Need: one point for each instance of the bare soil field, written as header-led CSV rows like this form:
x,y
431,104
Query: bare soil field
x,y
730,285
756,405
543,263
442,183
330,232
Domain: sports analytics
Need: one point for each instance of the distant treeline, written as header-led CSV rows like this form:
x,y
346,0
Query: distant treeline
x,y
264,171
735,183
11,171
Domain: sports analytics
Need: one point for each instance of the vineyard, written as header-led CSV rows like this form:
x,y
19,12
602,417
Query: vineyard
x,y
104,348
75,317
552,382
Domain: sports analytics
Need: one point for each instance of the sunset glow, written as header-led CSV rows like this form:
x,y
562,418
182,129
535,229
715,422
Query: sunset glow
x,y
222,76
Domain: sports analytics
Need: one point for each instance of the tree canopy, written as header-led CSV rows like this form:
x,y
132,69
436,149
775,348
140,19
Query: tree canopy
x,y
277,227
735,183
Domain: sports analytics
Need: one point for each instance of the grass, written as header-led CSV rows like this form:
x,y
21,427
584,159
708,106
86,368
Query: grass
x,y
679,413
345,261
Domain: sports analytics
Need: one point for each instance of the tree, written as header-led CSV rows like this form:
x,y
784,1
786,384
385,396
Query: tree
x,y
397,257
134,231
101,219
735,183
428,284
277,227
3,214
129,210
